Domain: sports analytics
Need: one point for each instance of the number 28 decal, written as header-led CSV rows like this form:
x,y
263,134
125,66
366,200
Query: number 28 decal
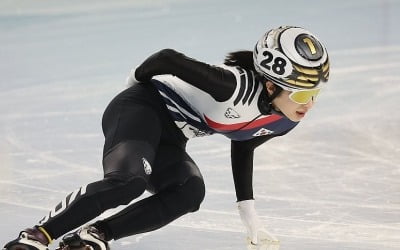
x,y
274,63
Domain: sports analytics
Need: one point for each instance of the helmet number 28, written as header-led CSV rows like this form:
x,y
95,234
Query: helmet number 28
x,y
278,67
275,63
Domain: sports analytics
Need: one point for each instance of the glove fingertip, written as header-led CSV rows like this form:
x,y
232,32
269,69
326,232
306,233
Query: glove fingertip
x,y
254,240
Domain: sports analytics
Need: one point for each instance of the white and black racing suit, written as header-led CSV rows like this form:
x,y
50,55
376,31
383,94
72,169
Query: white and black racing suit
x,y
146,128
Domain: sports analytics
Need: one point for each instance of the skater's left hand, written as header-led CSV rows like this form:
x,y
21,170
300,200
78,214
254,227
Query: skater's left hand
x,y
257,236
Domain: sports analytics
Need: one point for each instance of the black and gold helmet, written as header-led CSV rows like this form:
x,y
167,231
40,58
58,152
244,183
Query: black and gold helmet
x,y
292,58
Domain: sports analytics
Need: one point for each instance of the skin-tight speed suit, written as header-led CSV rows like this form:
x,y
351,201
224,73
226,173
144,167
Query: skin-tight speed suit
x,y
146,128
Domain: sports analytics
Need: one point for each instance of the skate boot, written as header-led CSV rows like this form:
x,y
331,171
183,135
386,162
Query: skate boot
x,y
29,239
85,238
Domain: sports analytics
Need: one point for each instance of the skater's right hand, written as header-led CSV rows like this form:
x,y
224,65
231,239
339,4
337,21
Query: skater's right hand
x,y
257,236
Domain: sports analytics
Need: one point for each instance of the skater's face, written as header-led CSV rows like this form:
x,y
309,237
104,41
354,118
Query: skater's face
x,y
292,110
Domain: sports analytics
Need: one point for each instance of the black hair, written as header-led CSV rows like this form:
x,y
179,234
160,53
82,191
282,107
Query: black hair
x,y
241,58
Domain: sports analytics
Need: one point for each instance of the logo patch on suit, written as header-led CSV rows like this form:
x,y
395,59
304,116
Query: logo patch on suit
x,y
263,131
231,114
146,166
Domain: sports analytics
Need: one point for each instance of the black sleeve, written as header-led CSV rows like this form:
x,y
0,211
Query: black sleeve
x,y
242,165
218,82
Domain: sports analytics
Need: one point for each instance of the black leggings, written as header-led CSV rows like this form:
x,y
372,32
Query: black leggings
x,y
143,150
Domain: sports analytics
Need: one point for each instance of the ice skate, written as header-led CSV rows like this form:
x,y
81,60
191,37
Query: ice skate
x,y
85,238
29,239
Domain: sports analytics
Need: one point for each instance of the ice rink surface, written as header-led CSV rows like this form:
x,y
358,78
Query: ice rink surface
x,y
332,183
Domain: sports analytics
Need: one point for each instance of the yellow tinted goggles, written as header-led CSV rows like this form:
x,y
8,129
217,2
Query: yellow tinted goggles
x,y
304,96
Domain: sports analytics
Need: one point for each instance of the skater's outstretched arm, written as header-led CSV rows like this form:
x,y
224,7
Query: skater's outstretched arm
x,y
242,165
242,169
220,83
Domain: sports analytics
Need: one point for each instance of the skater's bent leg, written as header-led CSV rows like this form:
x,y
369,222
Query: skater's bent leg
x,y
88,204
131,135
125,179
157,210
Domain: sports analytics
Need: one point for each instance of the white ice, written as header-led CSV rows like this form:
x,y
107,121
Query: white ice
x,y
332,183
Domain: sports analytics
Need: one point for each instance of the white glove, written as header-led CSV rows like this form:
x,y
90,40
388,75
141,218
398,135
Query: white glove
x,y
131,79
257,236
